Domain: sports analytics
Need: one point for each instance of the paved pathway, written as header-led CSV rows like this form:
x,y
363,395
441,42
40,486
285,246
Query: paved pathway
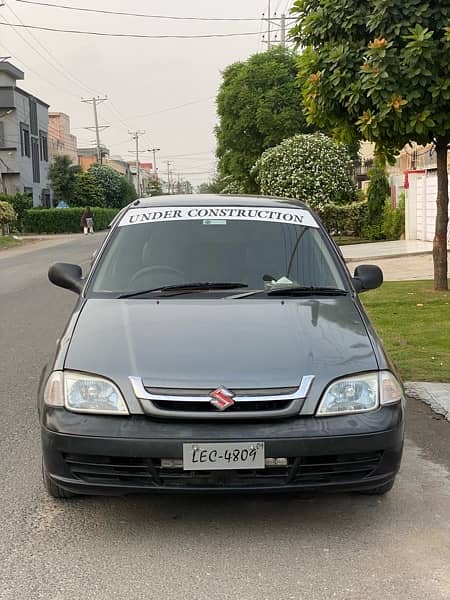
x,y
437,395
395,249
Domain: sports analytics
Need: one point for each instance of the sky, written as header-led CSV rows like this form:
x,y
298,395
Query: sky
x,y
146,80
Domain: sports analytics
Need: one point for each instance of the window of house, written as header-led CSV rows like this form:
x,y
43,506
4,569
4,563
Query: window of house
x,y
35,160
43,144
33,116
25,140
2,134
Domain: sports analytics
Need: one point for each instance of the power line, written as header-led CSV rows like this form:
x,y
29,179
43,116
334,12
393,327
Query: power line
x,y
142,15
31,70
164,110
131,35
60,68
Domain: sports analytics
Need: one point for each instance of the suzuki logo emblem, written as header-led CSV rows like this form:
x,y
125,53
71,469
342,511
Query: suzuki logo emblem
x,y
222,398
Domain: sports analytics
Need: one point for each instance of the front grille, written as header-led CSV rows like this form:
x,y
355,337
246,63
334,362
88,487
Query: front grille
x,y
249,403
149,472
205,406
204,392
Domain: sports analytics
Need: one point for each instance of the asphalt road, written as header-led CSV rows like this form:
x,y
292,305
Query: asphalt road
x,y
240,547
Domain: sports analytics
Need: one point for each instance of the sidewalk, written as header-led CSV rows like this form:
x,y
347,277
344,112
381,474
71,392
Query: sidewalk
x,y
437,395
395,249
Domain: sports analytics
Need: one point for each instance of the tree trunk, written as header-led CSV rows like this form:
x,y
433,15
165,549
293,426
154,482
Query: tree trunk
x,y
440,237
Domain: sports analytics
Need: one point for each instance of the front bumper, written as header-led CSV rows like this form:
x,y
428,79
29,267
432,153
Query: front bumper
x,y
114,455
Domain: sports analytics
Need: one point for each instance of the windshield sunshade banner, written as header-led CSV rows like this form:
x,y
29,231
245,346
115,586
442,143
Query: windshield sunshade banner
x,y
289,216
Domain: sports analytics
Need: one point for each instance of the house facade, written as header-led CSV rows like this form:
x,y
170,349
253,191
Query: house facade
x,y
24,152
61,141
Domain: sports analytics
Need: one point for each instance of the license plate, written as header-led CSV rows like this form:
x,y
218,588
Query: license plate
x,y
219,457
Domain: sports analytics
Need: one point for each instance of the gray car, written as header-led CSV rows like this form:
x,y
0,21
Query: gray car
x,y
219,344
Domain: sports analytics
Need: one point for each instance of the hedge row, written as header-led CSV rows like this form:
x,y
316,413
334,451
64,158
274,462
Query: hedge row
x,y
345,218
65,220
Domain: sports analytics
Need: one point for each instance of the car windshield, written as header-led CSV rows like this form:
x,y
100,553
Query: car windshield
x,y
258,254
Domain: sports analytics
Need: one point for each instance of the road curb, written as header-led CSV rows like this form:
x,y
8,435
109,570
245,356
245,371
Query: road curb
x,y
436,395
383,257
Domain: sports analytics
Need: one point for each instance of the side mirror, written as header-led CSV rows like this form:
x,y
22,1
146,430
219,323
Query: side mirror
x,y
66,276
367,277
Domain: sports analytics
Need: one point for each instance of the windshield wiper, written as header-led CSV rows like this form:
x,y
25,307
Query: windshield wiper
x,y
299,290
188,288
295,290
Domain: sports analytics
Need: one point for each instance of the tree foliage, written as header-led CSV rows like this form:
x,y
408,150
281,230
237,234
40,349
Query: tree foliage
x,y
259,105
87,192
20,203
110,185
310,167
377,193
62,174
7,215
379,70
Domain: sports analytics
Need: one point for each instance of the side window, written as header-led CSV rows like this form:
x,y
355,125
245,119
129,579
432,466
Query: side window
x,y
43,145
25,145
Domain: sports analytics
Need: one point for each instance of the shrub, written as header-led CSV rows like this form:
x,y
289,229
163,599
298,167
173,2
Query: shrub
x,y
311,167
349,219
20,203
394,219
7,216
65,220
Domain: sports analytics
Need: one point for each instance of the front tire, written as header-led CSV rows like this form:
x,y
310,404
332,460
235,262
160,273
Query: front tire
x,y
52,488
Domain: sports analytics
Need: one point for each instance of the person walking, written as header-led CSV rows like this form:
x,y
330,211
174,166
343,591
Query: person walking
x,y
87,221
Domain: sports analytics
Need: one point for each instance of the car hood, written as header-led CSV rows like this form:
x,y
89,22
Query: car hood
x,y
202,343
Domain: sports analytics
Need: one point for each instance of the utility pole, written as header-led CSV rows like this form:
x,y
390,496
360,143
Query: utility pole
x,y
168,163
95,101
283,31
276,24
155,170
136,135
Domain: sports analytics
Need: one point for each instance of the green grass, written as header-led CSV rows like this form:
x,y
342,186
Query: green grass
x,y
7,241
413,320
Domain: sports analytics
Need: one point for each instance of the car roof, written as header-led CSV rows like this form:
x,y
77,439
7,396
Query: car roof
x,y
217,200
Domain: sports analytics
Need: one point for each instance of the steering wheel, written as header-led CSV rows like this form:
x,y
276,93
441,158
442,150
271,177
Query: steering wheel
x,y
157,269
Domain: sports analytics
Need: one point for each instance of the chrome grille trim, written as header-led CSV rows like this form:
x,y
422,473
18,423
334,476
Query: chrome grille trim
x,y
148,400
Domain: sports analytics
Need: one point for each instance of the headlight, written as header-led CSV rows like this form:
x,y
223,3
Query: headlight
x,y
83,393
360,393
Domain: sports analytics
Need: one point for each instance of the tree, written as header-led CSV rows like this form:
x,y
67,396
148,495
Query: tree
x,y
377,193
62,174
7,216
259,105
154,187
310,167
87,192
380,71
127,191
110,185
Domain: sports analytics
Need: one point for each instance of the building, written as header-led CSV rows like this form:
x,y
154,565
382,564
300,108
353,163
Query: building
x,y
146,177
24,151
120,165
60,139
88,156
